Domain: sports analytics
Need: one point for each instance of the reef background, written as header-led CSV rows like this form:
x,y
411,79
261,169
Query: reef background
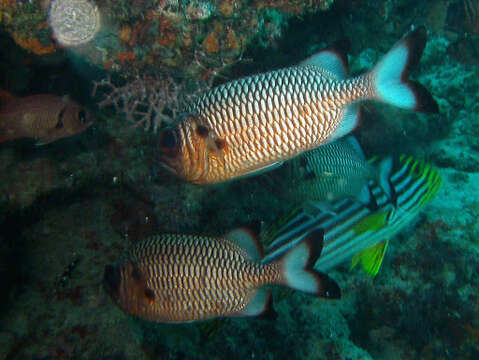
x,y
69,208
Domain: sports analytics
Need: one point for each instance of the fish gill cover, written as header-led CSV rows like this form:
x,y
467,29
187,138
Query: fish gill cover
x,y
73,210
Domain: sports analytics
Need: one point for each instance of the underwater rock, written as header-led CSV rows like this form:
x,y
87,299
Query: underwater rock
x,y
465,50
462,16
136,35
134,219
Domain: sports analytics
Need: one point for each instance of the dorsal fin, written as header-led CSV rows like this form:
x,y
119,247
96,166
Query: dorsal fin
x,y
261,303
247,237
333,59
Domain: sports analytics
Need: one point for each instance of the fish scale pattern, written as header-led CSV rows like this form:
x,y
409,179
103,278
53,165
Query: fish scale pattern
x,y
325,171
195,277
271,115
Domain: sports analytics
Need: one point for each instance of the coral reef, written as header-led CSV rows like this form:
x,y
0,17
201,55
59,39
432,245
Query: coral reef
x,y
187,35
144,100
69,208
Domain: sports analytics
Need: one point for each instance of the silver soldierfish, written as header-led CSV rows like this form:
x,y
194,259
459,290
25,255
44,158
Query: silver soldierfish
x,y
255,123
184,278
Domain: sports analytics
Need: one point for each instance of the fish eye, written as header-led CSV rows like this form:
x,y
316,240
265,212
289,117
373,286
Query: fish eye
x,y
149,294
202,131
82,116
168,140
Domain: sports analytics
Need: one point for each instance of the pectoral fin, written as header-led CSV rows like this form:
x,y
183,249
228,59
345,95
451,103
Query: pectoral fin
x,y
261,170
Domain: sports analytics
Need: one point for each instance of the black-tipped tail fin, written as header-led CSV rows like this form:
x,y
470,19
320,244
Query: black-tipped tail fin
x,y
297,267
391,75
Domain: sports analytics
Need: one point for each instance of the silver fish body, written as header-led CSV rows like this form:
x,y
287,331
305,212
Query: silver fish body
x,y
252,124
329,172
183,278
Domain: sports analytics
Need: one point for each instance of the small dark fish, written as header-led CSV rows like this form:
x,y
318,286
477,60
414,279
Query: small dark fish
x,y
44,117
253,124
184,278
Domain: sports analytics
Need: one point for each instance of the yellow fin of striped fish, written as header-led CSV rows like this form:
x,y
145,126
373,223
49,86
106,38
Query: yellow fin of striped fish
x,y
371,258
372,222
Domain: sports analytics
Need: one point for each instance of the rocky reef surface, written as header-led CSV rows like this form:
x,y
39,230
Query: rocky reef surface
x,y
69,208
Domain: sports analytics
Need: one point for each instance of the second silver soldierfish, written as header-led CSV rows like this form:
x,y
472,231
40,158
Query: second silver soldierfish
x,y
333,171
252,124
184,278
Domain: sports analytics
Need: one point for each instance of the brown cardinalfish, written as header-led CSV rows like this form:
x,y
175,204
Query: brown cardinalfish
x,y
253,124
185,278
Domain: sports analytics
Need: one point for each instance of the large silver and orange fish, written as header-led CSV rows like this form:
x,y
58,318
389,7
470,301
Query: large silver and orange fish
x,y
255,123
44,117
184,278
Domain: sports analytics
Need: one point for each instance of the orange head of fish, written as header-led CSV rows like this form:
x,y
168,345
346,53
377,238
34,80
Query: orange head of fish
x,y
186,149
126,285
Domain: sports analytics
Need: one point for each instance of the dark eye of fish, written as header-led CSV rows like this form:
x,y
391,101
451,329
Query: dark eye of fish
x,y
82,116
202,131
150,295
59,124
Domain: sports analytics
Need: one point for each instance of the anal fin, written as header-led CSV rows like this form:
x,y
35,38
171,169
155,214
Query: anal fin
x,y
371,258
261,304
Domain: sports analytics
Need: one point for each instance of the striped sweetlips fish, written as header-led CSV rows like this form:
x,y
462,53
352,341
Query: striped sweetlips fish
x,y
184,278
358,231
253,124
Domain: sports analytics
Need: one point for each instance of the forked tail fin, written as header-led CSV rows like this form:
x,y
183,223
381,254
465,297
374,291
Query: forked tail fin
x,y
384,171
391,75
297,268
